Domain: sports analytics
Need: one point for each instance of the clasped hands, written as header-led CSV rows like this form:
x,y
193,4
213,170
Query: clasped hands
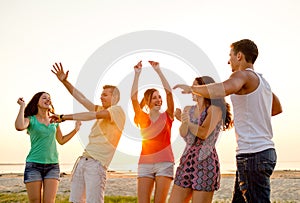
x,y
56,118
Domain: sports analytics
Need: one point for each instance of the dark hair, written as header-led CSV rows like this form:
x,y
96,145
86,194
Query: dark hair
x,y
225,107
247,47
32,107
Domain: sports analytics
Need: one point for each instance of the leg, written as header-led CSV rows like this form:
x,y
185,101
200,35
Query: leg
x,y
34,191
145,187
237,194
49,190
33,180
95,180
180,194
77,193
254,171
162,186
202,196
50,182
262,166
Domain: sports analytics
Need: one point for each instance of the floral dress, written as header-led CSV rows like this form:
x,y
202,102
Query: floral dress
x,y
199,167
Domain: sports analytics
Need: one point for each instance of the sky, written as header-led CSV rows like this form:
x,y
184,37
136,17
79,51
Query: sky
x,y
36,34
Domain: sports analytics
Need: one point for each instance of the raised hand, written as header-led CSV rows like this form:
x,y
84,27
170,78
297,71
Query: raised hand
x,y
138,67
154,64
21,101
185,88
59,72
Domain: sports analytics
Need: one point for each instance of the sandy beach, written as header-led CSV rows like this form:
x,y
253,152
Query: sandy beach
x,y
285,185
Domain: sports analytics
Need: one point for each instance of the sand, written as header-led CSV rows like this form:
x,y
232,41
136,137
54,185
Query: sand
x,y
285,185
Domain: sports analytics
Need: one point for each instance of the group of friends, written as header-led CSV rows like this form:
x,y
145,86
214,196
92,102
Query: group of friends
x,y
198,173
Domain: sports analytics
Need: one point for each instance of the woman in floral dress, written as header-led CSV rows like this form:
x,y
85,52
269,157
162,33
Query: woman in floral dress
x,y
198,174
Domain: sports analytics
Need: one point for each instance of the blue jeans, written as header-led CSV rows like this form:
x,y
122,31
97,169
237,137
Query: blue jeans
x,y
253,177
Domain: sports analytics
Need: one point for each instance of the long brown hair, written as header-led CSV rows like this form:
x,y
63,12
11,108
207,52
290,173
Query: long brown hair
x,y
32,107
147,97
145,102
225,107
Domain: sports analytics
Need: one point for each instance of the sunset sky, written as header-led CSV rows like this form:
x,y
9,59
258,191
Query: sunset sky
x,y
36,34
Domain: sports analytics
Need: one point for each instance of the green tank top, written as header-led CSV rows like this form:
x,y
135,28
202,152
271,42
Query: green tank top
x,y
43,142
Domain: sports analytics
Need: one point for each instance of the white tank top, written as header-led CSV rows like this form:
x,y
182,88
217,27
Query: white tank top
x,y
252,118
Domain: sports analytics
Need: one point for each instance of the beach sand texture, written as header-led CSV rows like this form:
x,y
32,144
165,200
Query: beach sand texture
x,y
285,185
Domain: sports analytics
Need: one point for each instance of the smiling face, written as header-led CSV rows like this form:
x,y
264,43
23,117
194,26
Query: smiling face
x,y
155,101
45,102
106,97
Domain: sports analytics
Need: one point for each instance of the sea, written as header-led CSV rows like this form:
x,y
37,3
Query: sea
x,y
226,168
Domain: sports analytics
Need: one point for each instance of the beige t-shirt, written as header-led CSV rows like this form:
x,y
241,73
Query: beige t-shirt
x,y
105,135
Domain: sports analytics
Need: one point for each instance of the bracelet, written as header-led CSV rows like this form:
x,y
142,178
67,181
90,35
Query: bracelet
x,y
196,93
61,118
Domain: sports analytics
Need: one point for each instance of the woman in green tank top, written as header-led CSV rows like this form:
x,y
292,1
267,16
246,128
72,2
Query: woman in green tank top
x,y
42,166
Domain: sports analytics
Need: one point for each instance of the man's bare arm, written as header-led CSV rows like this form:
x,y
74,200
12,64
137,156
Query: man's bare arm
x,y
276,106
63,76
218,90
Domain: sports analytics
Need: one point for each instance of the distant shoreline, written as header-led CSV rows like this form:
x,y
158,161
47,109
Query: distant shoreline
x,y
276,173
226,167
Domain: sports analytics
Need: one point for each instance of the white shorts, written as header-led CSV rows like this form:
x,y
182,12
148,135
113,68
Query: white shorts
x,y
88,181
156,169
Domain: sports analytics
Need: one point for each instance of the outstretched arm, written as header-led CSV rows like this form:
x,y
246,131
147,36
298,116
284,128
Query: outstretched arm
x,y
168,90
21,123
64,139
63,76
83,116
217,90
134,89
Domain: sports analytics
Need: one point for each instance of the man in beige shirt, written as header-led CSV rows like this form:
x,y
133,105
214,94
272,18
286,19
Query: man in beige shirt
x,y
89,175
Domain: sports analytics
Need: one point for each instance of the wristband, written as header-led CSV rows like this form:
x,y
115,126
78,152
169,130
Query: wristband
x,y
61,118
196,93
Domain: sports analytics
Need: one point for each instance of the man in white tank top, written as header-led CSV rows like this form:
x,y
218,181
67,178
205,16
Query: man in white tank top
x,y
253,105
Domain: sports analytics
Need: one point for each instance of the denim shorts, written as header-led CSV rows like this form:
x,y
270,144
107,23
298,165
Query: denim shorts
x,y
39,172
253,177
156,169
